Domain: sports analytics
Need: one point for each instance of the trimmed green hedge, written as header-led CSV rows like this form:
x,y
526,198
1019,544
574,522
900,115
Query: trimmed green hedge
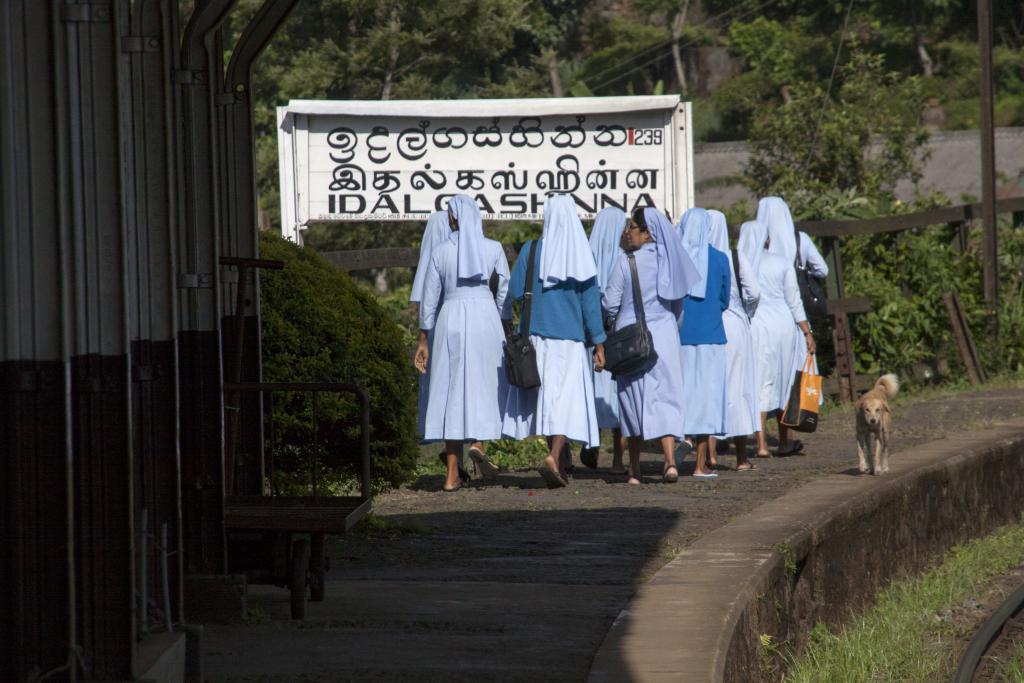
x,y
319,326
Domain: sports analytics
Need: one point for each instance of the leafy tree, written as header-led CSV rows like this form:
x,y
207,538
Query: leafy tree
x,y
828,156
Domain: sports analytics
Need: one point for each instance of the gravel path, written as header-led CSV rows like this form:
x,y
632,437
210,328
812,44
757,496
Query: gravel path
x,y
511,581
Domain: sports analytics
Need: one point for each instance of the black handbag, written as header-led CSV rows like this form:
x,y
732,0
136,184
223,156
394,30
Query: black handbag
x,y
520,356
630,351
812,288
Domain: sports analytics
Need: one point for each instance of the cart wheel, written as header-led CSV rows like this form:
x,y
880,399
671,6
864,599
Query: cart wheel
x,y
299,566
317,568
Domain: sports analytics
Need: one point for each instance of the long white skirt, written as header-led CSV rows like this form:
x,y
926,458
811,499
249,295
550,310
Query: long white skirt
x,y
780,350
652,404
467,371
606,400
704,389
564,401
742,416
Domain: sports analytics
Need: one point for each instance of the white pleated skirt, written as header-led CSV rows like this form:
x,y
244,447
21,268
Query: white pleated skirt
x,y
467,385
742,414
780,350
564,402
704,389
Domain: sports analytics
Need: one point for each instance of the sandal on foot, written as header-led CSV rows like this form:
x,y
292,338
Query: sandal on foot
x,y
794,448
565,461
588,456
709,475
458,485
670,475
463,474
633,481
553,479
746,467
763,454
486,468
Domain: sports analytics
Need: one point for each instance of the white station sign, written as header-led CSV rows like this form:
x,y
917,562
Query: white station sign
x,y
401,160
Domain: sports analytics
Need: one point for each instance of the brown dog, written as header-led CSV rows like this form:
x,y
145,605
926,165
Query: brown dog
x,y
873,421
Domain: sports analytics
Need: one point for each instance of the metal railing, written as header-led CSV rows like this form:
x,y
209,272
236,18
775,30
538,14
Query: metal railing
x,y
317,388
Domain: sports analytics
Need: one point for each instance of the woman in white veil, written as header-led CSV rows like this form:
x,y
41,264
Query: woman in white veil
x,y
606,243
742,417
462,337
781,333
565,318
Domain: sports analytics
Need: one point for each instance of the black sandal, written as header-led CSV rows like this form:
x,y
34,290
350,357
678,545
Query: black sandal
x,y
553,479
796,447
463,474
588,456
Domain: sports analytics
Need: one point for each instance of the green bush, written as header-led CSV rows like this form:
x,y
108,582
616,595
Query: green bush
x,y
319,326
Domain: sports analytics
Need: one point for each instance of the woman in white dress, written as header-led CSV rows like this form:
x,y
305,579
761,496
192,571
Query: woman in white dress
x,y
565,318
776,329
606,243
742,417
436,232
467,386
651,403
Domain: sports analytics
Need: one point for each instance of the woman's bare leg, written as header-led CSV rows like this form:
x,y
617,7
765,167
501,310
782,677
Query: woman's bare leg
x,y
634,459
712,453
742,462
701,446
618,446
453,456
762,440
554,460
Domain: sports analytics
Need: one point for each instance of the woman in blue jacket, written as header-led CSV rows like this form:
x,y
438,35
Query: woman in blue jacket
x,y
702,336
566,316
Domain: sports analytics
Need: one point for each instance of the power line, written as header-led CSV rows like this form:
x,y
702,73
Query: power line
x,y
661,56
828,90
660,45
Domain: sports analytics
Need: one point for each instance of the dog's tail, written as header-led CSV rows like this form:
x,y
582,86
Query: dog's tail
x,y
889,384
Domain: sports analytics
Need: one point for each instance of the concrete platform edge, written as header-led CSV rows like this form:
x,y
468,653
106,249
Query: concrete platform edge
x,y
730,605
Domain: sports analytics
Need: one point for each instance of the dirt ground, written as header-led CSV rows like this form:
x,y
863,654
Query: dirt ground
x,y
510,581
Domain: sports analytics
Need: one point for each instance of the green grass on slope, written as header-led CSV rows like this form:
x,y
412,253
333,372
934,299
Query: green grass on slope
x,y
908,635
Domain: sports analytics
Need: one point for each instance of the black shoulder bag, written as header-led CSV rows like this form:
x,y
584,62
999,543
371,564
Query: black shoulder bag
x,y
812,289
630,351
520,356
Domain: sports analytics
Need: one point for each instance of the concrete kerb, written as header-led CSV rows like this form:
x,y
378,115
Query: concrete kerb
x,y
730,606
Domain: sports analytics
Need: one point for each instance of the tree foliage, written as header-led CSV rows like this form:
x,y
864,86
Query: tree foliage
x,y
319,326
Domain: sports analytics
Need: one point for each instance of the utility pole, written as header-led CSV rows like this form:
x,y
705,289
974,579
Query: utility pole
x,y
989,243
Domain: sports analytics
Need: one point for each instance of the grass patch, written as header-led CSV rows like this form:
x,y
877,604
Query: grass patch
x,y
374,526
909,634
1011,667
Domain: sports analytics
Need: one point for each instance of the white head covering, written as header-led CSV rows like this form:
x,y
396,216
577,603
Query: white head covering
x,y
471,237
566,253
774,213
436,232
605,239
676,272
718,234
751,245
696,224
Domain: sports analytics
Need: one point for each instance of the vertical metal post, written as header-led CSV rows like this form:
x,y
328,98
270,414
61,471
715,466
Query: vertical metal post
x,y
314,468
989,241
165,576
143,578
